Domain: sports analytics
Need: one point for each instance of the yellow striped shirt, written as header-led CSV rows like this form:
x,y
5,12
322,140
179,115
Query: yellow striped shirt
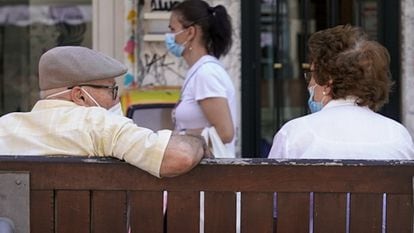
x,y
59,127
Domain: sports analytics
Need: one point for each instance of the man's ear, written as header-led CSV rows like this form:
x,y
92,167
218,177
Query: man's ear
x,y
77,96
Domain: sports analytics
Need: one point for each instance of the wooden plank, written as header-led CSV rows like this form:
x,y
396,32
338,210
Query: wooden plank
x,y
392,178
366,213
41,211
183,212
72,211
399,213
109,212
329,212
146,214
293,212
256,212
219,212
360,179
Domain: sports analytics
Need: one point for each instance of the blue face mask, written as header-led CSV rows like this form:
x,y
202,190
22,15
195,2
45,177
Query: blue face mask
x,y
172,46
314,106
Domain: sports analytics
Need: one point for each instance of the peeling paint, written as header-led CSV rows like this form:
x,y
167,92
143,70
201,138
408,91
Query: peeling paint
x,y
307,162
229,161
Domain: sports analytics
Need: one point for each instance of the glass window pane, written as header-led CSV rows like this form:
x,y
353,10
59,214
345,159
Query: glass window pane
x,y
27,30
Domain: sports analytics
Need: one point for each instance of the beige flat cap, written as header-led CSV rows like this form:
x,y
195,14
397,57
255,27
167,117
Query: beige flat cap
x,y
70,65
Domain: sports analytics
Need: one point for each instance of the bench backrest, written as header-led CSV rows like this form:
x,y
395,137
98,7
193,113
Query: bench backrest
x,y
75,194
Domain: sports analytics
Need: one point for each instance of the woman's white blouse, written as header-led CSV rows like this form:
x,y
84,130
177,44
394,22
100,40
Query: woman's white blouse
x,y
343,130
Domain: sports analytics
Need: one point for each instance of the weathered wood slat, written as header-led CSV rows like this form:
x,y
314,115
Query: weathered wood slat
x,y
399,213
366,213
219,212
117,187
109,212
183,212
293,212
338,176
329,212
256,212
146,214
72,210
42,211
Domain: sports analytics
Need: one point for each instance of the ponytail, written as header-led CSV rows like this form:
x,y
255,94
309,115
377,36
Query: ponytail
x,y
220,32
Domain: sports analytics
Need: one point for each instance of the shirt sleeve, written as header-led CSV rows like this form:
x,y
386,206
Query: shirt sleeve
x,y
209,82
140,147
279,148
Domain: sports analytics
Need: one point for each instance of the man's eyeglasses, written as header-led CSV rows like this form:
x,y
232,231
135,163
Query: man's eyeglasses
x,y
308,75
113,88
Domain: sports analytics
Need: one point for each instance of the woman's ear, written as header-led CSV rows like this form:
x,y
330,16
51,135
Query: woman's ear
x,y
328,88
192,31
77,96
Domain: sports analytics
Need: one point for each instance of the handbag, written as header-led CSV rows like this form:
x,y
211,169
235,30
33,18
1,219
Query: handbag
x,y
215,144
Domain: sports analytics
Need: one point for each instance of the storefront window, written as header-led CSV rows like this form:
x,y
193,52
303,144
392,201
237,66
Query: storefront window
x,y
282,88
27,30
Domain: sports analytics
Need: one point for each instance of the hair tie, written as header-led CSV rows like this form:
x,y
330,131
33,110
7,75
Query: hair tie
x,y
211,10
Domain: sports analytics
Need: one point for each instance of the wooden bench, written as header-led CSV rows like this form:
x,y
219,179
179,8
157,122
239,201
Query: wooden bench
x,y
77,194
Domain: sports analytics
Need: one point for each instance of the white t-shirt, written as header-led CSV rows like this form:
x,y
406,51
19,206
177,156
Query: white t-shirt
x,y
205,79
343,130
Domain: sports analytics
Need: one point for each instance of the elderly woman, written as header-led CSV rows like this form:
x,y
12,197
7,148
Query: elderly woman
x,y
349,81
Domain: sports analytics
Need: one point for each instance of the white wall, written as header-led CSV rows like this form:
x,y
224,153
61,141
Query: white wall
x,y
407,64
108,27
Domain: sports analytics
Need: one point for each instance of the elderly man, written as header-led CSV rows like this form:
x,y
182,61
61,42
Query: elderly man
x,y
77,115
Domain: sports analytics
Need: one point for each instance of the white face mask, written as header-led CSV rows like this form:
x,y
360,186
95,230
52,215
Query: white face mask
x,y
90,97
116,109
57,94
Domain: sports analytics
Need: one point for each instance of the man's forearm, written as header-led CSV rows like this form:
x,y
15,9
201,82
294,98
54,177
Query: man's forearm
x,y
183,152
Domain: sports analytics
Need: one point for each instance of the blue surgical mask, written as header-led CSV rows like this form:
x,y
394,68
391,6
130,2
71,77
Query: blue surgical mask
x,y
314,106
175,48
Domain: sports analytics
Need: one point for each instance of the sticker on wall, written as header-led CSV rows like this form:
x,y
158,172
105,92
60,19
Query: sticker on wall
x,y
130,47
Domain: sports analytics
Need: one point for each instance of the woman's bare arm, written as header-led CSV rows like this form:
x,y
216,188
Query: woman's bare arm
x,y
217,112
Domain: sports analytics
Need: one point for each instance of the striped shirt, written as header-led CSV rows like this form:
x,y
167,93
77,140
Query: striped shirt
x,y
59,127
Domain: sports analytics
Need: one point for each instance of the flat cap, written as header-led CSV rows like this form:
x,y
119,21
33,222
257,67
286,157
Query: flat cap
x,y
70,65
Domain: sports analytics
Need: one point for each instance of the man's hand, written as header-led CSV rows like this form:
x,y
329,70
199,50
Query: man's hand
x,y
183,152
207,152
197,134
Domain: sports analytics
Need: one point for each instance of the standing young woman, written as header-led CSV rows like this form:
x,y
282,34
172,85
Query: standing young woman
x,y
201,35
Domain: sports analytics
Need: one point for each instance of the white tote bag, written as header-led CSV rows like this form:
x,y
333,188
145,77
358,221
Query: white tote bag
x,y
214,142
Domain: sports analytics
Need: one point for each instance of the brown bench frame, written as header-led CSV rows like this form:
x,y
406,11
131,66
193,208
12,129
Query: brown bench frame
x,y
78,194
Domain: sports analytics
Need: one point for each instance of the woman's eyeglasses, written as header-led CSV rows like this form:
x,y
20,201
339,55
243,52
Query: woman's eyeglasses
x,y
113,88
308,75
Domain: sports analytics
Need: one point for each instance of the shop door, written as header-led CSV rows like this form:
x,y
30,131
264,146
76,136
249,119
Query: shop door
x,y
278,93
